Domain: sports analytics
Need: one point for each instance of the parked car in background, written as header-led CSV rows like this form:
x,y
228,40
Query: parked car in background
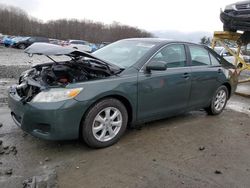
x,y
56,41
246,49
93,46
22,44
236,16
229,57
1,39
80,45
132,81
7,41
103,44
16,40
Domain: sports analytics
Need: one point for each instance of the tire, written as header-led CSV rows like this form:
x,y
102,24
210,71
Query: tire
x,y
98,128
218,101
21,46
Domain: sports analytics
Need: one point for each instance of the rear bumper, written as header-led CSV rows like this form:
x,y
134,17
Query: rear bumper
x,y
50,121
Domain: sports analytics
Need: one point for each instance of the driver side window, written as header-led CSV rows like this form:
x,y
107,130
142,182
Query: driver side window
x,y
174,55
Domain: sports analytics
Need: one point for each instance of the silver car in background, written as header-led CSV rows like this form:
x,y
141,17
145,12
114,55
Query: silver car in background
x,y
229,57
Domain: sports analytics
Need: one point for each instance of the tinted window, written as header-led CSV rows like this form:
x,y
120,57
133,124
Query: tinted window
x,y
199,56
32,39
38,39
41,39
174,55
214,61
78,42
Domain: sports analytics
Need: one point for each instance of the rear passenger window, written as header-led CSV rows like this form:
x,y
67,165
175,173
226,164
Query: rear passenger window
x,y
199,56
174,55
214,61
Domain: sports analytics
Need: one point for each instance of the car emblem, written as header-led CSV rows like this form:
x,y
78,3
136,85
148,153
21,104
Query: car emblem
x,y
248,5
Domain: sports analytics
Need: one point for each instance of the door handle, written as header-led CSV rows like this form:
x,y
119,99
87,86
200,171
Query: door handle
x,y
186,75
219,71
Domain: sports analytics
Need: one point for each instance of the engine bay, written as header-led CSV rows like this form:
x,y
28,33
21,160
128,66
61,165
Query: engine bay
x,y
59,74
63,73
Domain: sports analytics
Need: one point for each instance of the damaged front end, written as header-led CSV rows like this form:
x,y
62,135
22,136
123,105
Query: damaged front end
x,y
82,67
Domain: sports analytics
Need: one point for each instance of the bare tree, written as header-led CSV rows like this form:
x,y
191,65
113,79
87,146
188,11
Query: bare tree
x,y
205,40
15,21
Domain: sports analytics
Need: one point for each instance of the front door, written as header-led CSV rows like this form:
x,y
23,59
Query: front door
x,y
163,93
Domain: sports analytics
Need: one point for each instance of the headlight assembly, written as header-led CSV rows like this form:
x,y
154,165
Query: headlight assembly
x,y
56,94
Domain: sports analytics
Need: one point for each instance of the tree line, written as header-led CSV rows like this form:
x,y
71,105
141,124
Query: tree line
x,y
15,21
205,40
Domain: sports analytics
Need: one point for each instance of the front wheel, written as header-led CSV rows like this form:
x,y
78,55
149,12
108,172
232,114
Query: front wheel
x,y
219,101
104,123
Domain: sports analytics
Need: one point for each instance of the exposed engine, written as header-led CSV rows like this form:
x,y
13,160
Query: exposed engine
x,y
46,75
69,72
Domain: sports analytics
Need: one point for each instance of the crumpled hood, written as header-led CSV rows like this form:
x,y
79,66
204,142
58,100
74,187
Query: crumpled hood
x,y
47,49
41,48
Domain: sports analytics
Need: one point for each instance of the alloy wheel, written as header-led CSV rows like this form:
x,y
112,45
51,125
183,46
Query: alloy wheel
x,y
107,124
220,100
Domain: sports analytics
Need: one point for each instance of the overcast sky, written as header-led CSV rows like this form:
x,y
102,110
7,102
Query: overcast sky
x,y
152,15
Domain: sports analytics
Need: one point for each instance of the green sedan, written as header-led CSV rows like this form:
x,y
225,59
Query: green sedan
x,y
126,83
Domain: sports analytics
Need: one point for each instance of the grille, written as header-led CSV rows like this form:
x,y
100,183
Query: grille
x,y
243,6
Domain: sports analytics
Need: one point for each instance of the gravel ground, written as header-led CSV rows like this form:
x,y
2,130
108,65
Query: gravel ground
x,y
13,61
4,83
11,56
190,150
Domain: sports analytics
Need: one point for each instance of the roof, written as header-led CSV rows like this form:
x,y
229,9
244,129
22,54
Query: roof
x,y
158,40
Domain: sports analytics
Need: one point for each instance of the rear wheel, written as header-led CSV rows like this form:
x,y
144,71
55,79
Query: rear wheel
x,y
219,101
104,123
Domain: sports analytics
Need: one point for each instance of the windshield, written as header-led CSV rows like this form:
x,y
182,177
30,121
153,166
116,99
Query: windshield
x,y
124,53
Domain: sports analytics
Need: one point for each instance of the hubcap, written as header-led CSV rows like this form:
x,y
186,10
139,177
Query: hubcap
x,y
107,124
220,100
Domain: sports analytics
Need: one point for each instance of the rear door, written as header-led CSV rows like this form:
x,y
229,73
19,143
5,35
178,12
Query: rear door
x,y
162,93
204,76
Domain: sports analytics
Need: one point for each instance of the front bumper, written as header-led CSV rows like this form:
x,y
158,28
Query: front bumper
x,y
236,20
50,121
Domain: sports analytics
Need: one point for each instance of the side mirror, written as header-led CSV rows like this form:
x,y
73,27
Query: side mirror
x,y
156,65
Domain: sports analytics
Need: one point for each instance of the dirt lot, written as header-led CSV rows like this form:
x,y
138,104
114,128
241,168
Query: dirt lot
x,y
191,150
